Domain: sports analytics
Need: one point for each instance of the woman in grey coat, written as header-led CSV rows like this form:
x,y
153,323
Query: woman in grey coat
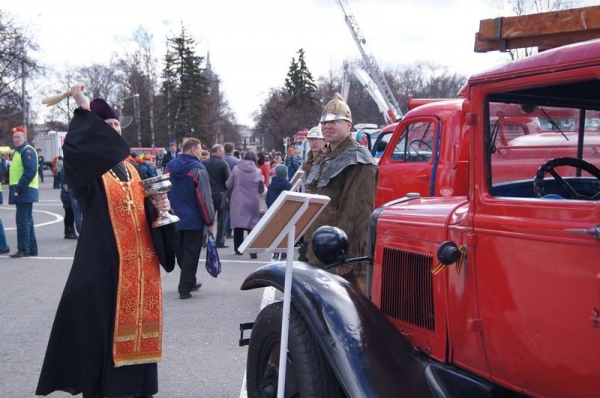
x,y
245,183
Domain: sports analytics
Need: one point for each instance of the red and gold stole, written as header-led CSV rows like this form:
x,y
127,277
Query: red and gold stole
x,y
137,336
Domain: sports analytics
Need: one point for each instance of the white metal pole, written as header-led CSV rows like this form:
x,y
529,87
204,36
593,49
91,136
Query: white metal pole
x,y
285,316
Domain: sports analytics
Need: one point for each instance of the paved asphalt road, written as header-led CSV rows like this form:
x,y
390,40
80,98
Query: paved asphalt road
x,y
201,356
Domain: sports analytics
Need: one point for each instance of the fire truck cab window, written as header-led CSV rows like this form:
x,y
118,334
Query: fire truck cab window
x,y
544,143
416,143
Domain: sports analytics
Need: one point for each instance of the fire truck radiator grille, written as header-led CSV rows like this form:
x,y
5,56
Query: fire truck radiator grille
x,y
407,287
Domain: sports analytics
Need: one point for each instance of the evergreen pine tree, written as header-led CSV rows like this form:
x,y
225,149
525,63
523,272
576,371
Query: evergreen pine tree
x,y
184,89
299,90
299,84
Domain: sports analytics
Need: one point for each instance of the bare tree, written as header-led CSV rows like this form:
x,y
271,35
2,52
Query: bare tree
x,y
220,120
328,85
424,80
102,81
275,121
140,67
59,115
16,67
421,79
149,63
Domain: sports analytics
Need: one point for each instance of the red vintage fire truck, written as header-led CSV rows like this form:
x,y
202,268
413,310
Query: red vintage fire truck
x,y
491,289
428,151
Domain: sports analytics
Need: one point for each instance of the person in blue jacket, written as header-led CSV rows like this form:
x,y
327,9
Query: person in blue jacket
x,y
191,200
148,169
279,183
4,248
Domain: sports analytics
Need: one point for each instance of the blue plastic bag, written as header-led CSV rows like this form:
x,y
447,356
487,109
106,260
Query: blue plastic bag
x,y
213,264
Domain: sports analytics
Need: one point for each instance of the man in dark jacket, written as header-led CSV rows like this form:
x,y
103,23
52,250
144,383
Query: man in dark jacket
x,y
229,158
171,154
218,173
40,164
191,200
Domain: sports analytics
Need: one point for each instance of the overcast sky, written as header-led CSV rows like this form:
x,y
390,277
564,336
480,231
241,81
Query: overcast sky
x,y
252,42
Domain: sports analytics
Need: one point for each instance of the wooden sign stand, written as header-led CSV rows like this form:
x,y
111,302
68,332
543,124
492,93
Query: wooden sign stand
x,y
297,180
278,231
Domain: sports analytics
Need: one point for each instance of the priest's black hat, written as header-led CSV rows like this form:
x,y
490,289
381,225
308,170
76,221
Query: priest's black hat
x,y
102,109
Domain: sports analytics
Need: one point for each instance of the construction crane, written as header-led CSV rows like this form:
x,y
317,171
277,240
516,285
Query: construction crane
x,y
371,65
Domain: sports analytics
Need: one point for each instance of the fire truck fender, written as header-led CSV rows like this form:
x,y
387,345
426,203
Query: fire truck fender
x,y
366,352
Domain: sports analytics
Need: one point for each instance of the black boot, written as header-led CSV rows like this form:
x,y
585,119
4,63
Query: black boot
x,y
70,233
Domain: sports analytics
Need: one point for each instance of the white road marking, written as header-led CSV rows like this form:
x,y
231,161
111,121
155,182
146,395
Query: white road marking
x,y
268,298
57,218
268,294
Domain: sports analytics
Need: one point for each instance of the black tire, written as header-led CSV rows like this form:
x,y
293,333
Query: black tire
x,y
308,375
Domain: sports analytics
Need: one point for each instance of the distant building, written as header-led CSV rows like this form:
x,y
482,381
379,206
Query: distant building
x,y
248,141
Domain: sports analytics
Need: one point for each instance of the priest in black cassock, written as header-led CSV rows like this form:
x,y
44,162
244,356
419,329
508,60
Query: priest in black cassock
x,y
107,334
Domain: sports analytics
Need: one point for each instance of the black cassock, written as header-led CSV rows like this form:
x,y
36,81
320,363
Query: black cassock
x,y
79,354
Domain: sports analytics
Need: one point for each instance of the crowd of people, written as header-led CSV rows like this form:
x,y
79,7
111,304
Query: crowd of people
x,y
249,188
106,209
337,166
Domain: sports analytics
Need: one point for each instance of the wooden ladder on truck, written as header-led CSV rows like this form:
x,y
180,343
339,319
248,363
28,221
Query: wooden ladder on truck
x,y
544,30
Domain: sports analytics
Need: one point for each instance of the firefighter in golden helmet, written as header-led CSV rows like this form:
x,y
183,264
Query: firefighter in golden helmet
x,y
336,109
336,121
348,175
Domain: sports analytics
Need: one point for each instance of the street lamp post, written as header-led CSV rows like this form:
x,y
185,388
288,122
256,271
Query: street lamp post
x,y
24,104
131,96
23,99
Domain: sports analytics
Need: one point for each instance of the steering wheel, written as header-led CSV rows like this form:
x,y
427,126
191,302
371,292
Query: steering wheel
x,y
548,167
416,149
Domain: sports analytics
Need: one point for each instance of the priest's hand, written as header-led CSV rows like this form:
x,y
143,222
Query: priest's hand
x,y
161,202
77,94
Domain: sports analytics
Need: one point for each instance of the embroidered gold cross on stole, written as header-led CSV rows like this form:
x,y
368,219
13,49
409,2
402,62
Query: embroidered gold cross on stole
x,y
126,206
